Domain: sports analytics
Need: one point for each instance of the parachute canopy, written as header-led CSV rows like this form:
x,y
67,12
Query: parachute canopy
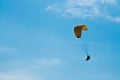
x,y
78,30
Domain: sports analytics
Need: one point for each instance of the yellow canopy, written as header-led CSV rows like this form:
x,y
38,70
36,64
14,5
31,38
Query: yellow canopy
x,y
78,30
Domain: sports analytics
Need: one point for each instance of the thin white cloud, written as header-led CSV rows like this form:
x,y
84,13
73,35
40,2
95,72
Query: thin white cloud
x,y
16,75
89,9
27,70
46,62
76,8
7,49
109,1
115,19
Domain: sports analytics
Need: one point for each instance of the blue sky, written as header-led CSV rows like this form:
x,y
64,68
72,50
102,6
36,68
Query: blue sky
x,y
37,40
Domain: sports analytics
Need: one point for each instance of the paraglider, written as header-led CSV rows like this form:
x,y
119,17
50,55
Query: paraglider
x,y
78,33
